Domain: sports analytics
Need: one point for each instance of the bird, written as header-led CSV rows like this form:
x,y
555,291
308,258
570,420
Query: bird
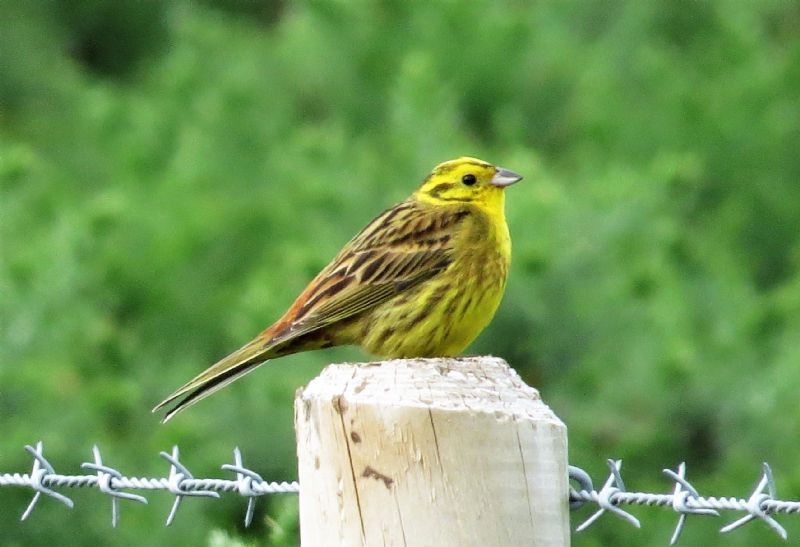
x,y
422,279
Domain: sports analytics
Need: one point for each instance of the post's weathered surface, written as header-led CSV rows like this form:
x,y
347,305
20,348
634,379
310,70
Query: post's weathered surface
x,y
429,452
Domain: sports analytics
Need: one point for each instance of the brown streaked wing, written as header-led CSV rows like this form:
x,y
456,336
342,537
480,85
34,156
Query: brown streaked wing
x,y
401,248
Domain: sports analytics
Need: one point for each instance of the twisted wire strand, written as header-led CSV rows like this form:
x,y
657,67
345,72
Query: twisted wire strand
x,y
665,500
144,483
108,480
685,500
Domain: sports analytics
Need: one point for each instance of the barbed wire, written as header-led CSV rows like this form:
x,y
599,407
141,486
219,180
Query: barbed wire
x,y
684,500
180,482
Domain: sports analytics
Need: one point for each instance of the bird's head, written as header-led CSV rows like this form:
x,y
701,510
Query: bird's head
x,y
466,180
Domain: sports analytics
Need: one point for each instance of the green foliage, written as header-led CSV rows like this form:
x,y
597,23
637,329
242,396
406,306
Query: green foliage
x,y
173,173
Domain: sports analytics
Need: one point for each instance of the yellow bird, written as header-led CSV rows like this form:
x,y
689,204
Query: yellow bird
x,y
421,280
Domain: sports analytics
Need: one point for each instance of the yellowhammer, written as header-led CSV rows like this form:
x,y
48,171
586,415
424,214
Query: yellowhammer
x,y
421,280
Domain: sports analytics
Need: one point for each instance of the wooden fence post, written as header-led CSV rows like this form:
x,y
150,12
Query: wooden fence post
x,y
429,452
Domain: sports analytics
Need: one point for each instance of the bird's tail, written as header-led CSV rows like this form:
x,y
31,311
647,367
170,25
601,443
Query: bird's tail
x,y
218,375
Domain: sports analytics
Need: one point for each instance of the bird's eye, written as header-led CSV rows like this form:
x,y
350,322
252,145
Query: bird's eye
x,y
469,180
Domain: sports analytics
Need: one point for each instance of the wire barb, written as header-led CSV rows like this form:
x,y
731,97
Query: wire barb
x,y
39,472
244,480
178,475
680,496
105,475
605,498
755,504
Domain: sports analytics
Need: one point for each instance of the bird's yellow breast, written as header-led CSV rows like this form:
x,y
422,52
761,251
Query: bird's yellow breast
x,y
442,316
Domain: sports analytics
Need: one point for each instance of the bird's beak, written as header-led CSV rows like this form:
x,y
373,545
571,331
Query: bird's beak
x,y
504,178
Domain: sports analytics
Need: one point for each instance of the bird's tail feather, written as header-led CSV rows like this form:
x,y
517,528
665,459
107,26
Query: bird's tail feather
x,y
217,376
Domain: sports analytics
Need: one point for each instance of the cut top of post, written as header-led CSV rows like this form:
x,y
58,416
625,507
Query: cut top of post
x,y
478,384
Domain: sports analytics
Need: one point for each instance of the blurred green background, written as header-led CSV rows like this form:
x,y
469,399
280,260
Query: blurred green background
x,y
174,173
